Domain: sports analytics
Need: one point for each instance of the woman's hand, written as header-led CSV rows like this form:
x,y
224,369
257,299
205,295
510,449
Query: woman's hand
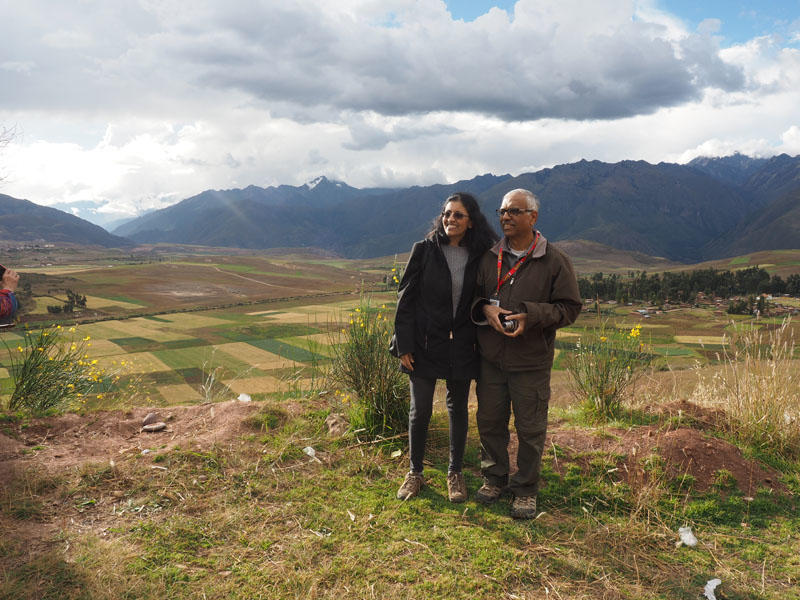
x,y
407,360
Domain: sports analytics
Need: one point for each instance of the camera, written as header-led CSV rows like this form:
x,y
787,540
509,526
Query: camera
x,y
509,325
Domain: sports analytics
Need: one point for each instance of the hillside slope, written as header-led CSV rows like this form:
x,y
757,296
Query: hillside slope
x,y
24,221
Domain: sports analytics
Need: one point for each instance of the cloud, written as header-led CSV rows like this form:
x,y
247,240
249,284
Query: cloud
x,y
553,59
370,132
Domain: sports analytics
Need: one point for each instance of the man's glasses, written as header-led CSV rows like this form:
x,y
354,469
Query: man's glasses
x,y
514,212
451,213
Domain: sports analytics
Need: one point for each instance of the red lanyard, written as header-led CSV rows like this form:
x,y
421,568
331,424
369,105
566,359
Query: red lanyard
x,y
516,266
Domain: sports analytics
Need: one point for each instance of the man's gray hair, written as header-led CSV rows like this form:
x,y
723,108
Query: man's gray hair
x,y
533,201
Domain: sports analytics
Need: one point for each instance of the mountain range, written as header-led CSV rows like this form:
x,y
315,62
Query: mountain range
x,y
708,208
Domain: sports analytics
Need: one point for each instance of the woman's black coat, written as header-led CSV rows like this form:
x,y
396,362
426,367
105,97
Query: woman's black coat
x,y
443,347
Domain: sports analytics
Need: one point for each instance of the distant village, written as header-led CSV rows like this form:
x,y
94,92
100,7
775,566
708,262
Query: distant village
x,y
765,305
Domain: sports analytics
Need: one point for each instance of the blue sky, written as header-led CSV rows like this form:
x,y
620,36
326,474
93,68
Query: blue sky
x,y
129,105
740,20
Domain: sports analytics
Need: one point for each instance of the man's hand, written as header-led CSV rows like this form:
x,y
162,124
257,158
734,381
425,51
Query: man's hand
x,y
407,360
492,314
10,280
521,319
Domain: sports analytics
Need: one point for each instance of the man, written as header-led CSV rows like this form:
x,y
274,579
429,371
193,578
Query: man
x,y
8,299
526,290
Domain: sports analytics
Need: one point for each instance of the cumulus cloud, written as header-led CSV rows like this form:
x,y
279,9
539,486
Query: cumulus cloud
x,y
551,59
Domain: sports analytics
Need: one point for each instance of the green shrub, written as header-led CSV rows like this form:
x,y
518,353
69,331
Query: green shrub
x,y
362,365
51,371
605,363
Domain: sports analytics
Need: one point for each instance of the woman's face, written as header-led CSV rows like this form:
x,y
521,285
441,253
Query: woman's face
x,y
455,221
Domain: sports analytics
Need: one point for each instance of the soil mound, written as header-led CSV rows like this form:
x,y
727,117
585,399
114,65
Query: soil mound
x,y
684,450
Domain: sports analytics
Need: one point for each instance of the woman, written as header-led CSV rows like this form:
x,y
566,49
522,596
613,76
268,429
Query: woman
x,y
434,336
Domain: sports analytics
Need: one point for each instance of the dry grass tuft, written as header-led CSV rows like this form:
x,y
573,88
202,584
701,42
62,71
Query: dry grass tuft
x,y
758,386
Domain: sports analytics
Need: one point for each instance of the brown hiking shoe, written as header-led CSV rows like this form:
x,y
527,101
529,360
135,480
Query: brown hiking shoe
x,y
488,493
523,507
456,487
411,486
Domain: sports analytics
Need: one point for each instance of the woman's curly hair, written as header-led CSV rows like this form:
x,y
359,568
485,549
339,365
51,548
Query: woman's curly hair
x,y
479,237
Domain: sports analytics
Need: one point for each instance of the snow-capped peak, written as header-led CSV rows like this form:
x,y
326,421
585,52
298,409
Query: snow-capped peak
x,y
315,182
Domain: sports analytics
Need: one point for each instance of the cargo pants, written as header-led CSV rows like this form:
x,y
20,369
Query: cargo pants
x,y
527,393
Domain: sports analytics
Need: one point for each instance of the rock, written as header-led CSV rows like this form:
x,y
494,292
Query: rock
x,y
149,419
153,427
337,425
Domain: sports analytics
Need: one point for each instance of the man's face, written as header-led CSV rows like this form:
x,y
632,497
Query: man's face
x,y
517,225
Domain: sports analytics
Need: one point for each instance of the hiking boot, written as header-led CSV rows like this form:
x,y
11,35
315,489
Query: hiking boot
x,y
523,507
456,487
411,486
488,493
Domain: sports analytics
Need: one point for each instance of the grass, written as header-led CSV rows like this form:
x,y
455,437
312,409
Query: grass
x,y
759,389
258,518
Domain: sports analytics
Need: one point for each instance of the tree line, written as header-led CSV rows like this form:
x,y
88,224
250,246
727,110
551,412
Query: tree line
x,y
684,286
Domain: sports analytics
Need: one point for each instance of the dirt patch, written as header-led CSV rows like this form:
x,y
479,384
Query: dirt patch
x,y
684,451
9,446
688,451
700,417
57,443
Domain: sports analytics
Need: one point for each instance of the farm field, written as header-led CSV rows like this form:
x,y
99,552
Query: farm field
x,y
257,352
277,350
169,318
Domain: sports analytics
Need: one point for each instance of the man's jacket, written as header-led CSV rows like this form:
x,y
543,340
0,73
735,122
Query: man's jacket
x,y
544,287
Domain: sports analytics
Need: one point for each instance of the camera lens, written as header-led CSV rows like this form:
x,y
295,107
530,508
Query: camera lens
x,y
508,324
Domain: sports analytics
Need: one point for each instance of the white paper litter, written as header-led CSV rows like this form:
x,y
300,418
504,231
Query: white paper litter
x,y
244,398
687,537
312,453
708,591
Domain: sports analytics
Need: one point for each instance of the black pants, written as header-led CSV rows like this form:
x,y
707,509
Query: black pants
x,y
420,417
527,393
